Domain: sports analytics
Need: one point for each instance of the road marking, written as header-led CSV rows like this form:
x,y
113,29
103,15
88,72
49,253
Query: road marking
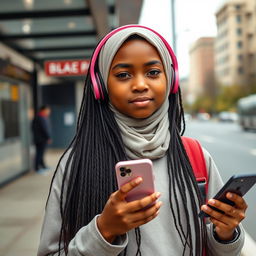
x,y
253,151
207,138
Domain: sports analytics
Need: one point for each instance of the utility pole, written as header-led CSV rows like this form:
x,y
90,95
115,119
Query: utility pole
x,y
173,26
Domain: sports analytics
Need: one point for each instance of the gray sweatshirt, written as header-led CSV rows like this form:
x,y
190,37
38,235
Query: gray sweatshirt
x,y
158,237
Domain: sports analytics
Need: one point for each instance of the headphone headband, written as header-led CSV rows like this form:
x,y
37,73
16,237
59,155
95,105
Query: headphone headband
x,y
95,80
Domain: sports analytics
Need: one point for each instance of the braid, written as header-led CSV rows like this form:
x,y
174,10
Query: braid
x,y
93,153
138,240
182,181
182,123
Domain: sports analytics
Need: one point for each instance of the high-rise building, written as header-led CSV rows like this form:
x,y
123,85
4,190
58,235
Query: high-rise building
x,y
201,78
235,47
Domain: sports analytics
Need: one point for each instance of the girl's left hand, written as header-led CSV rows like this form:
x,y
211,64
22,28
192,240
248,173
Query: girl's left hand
x,y
226,223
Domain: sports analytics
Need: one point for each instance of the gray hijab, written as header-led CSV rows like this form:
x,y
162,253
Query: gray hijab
x,y
149,137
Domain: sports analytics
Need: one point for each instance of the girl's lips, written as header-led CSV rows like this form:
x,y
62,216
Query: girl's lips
x,y
141,101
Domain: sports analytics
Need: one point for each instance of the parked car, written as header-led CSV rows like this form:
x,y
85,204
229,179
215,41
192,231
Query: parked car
x,y
226,116
203,116
187,117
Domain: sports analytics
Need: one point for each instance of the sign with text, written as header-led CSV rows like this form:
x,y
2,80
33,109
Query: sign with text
x,y
66,67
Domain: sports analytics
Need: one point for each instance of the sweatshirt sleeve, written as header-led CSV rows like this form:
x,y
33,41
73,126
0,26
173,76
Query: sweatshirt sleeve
x,y
88,241
216,248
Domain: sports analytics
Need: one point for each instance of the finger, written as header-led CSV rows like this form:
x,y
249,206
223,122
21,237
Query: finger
x,y
145,214
223,227
144,221
233,212
238,200
223,231
212,213
122,192
144,202
226,208
219,224
228,221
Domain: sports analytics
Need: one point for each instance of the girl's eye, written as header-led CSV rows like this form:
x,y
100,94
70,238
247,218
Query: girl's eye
x,y
123,75
154,73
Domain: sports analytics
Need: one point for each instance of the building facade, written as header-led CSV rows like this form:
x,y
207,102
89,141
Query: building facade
x,y
235,47
201,78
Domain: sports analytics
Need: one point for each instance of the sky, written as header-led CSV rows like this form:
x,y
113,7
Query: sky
x,y
194,19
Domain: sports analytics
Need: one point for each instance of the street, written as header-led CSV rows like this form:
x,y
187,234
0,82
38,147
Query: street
x,y
234,152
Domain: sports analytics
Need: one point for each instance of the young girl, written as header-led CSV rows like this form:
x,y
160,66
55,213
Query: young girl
x,y
132,109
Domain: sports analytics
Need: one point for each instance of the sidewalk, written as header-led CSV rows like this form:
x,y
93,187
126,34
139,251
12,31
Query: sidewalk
x,y
22,207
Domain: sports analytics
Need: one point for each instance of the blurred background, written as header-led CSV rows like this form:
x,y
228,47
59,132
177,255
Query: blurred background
x,y
45,48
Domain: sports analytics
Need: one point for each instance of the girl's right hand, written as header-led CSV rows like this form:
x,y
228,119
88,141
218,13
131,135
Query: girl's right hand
x,y
120,216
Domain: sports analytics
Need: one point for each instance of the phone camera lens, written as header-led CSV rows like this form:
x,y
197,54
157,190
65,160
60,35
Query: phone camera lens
x,y
122,174
122,169
128,171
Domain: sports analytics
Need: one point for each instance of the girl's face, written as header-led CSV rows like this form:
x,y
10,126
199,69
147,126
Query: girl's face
x,y
137,82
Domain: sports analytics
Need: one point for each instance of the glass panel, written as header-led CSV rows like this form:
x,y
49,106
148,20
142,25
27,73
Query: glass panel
x,y
238,18
25,125
14,128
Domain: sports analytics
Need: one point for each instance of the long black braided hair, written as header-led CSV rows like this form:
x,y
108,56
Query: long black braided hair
x,y
89,179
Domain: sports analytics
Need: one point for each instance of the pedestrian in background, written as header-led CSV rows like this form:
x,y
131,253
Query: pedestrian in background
x,y
42,137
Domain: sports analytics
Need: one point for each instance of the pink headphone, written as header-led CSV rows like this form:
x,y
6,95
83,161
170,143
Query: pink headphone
x,y
95,79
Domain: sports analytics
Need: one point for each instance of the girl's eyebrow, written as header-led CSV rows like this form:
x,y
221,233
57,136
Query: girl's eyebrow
x,y
126,65
122,65
153,62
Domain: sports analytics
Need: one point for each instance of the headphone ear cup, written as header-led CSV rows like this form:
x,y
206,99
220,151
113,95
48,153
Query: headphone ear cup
x,y
98,87
173,82
101,86
95,86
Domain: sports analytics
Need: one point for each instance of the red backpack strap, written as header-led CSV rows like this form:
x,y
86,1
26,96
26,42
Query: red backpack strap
x,y
197,161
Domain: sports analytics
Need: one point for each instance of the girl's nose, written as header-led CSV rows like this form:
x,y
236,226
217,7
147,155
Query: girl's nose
x,y
139,83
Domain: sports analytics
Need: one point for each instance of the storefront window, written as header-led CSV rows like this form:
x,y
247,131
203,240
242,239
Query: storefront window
x,y
9,117
14,128
15,103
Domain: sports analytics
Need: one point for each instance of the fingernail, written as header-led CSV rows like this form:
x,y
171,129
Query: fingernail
x,y
158,194
138,180
230,195
211,201
204,208
159,204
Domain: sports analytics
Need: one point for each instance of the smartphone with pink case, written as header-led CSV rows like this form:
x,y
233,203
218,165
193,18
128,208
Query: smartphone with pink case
x,y
129,170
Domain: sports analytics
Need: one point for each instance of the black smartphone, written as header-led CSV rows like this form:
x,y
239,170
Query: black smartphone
x,y
238,184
